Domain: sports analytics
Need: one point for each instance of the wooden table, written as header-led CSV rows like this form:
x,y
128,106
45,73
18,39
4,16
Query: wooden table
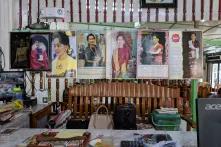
x,y
38,112
184,138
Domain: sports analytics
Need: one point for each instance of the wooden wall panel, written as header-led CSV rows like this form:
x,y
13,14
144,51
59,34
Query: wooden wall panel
x,y
162,15
209,10
215,10
206,9
136,7
92,11
180,10
189,10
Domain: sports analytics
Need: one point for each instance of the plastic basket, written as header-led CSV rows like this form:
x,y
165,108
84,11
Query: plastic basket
x,y
168,126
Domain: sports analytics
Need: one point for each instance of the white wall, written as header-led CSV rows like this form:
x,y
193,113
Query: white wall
x,y
6,22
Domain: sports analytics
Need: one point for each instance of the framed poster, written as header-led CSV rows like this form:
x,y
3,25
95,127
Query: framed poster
x,y
19,50
158,3
121,55
192,54
63,54
39,56
91,47
152,54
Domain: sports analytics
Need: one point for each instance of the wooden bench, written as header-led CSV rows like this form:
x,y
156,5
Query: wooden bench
x,y
83,99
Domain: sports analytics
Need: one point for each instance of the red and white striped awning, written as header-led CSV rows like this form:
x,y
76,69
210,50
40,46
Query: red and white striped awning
x,y
92,11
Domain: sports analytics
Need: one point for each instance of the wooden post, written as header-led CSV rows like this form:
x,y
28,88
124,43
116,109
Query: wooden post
x,y
32,84
49,89
41,80
74,82
185,95
66,83
65,93
57,90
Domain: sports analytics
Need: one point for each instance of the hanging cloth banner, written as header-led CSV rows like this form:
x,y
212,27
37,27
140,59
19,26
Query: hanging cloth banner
x,y
175,55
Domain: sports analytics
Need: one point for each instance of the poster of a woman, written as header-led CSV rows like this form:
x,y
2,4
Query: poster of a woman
x,y
39,54
152,55
153,50
192,54
64,62
122,55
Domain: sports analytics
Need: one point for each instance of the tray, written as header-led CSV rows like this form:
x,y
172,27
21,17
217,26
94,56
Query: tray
x,y
48,139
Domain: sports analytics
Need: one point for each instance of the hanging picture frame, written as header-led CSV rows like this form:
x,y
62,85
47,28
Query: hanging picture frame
x,y
19,50
158,3
39,54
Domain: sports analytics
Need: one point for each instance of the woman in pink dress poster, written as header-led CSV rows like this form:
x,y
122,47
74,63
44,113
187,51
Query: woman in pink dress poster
x,y
153,50
156,51
120,57
39,52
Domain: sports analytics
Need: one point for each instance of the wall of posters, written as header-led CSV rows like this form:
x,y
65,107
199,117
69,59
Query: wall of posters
x,y
175,55
121,55
152,54
192,54
64,57
91,47
111,54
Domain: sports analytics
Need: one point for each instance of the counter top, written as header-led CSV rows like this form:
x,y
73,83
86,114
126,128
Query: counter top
x,y
20,120
185,139
39,107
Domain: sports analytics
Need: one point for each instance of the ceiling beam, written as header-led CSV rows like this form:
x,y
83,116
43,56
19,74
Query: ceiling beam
x,y
213,27
172,25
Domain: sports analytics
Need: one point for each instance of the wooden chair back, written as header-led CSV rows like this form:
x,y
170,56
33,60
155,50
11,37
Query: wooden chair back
x,y
83,99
